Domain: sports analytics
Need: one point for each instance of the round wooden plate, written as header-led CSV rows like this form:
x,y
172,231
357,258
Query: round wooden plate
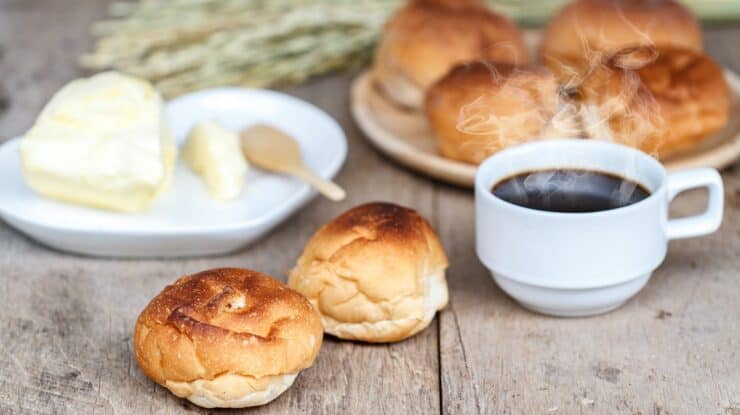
x,y
406,137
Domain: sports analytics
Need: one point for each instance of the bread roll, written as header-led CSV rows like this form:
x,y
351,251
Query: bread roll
x,y
615,105
480,108
584,28
692,94
426,38
376,273
661,107
227,338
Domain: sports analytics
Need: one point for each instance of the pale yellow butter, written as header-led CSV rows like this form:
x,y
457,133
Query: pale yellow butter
x,y
213,152
103,142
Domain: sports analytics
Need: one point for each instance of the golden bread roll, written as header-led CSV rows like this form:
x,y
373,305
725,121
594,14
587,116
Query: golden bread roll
x,y
480,108
692,94
426,38
376,273
660,107
615,105
227,338
584,28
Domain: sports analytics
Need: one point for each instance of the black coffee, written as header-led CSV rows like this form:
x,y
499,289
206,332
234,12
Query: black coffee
x,y
569,190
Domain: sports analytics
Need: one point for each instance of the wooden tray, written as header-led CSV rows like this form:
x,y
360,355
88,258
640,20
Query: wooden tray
x,y
406,137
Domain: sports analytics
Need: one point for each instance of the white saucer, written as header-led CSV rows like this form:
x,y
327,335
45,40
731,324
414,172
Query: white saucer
x,y
186,221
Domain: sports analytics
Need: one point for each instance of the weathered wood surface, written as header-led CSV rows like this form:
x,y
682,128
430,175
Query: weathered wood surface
x,y
66,321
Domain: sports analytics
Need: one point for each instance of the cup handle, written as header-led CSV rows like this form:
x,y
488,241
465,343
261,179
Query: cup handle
x,y
702,224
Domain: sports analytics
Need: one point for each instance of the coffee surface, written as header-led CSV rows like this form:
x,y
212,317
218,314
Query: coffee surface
x,y
569,190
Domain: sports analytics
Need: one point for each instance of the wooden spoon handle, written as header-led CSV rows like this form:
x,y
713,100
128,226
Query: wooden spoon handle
x,y
325,187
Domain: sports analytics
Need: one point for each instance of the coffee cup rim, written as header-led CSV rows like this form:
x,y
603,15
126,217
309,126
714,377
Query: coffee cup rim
x,y
483,182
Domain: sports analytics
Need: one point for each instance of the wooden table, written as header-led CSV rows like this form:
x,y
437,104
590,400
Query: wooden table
x,y
66,321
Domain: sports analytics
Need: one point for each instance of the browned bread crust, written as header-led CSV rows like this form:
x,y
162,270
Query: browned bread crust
x,y
368,273
226,320
480,108
615,105
692,94
426,38
584,28
662,106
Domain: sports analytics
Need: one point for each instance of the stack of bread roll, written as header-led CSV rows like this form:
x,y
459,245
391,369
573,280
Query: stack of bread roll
x,y
629,71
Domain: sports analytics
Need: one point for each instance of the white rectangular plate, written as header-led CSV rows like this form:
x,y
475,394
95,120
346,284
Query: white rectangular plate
x,y
186,221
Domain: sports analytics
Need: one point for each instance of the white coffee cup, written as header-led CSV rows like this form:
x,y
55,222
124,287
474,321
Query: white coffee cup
x,y
579,264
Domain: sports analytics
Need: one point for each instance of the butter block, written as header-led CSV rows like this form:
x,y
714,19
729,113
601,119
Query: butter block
x,y
214,153
101,142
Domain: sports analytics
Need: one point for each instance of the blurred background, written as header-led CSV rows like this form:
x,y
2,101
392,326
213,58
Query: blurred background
x,y
184,45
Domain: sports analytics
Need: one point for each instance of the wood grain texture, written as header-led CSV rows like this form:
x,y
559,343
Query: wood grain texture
x,y
673,349
66,321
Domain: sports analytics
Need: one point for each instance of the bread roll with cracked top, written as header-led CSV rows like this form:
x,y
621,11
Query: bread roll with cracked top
x,y
662,104
227,338
692,94
426,38
376,273
615,105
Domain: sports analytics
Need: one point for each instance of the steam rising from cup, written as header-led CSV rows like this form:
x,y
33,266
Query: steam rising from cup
x,y
605,100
